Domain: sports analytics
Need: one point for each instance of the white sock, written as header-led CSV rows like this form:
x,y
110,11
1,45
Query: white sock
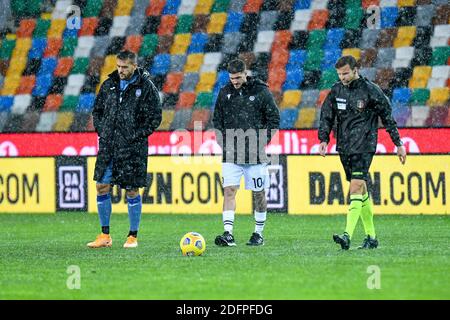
x,y
228,220
260,219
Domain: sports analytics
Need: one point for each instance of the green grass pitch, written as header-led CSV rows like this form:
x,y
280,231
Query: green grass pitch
x,y
298,261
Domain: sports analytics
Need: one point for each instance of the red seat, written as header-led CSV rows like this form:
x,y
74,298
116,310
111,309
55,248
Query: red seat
x,y
63,67
252,6
53,102
26,28
199,116
155,8
167,25
173,82
186,100
318,19
437,117
133,43
53,47
26,85
88,26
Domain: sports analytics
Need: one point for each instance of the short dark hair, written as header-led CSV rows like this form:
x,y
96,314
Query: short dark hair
x,y
342,61
127,55
236,66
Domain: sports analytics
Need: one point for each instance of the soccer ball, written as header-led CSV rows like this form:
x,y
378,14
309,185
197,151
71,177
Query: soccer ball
x,y
192,244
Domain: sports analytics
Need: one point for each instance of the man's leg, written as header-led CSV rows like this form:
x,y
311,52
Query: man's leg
x,y
354,211
134,215
367,214
229,207
104,214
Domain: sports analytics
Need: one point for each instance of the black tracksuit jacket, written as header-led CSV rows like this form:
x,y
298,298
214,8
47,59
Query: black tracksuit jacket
x,y
356,109
250,107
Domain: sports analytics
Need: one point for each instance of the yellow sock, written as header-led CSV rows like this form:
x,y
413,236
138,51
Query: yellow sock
x,y
354,211
367,216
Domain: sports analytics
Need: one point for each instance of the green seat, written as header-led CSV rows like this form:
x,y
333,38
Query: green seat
x,y
92,8
69,46
419,96
149,44
440,56
220,6
80,65
7,49
313,60
41,29
184,23
29,8
69,104
353,4
204,100
353,17
329,77
316,39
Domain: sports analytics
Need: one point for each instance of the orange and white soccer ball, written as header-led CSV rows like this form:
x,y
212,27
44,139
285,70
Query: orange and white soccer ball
x,y
192,244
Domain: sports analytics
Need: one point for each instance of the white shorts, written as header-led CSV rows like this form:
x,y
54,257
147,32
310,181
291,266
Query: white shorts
x,y
256,175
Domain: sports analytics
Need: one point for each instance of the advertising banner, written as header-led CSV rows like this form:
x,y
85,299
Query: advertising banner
x,y
420,140
317,185
27,185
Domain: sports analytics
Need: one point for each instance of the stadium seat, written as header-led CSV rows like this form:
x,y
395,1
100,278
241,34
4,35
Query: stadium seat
x,y
173,82
288,118
186,100
167,118
306,118
291,99
199,119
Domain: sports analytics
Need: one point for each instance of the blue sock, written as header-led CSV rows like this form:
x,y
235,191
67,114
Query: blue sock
x,y
134,212
104,209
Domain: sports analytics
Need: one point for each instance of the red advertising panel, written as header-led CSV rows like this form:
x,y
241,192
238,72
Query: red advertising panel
x,y
421,140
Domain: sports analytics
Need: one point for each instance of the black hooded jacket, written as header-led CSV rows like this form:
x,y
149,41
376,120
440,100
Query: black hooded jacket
x,y
356,108
123,127
252,109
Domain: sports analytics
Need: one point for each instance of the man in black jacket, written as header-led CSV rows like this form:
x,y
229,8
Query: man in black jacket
x,y
245,118
127,110
356,104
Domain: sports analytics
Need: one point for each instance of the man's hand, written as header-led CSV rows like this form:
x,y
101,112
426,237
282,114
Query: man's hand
x,y
323,148
401,152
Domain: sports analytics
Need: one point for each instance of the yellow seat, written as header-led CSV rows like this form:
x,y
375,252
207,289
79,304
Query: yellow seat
x,y
306,118
181,43
194,62
422,72
10,84
109,65
56,29
203,7
405,36
206,82
406,3
46,16
355,52
216,23
438,96
23,45
123,8
291,98
167,118
415,83
63,121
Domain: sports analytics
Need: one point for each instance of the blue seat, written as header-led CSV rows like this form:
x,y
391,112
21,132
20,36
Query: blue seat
x,y
171,7
161,64
85,102
401,113
330,57
334,38
6,103
48,65
302,4
288,118
221,80
234,21
43,83
294,77
388,16
401,95
297,57
198,42
37,48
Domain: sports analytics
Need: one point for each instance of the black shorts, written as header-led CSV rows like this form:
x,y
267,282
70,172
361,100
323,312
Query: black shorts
x,y
356,165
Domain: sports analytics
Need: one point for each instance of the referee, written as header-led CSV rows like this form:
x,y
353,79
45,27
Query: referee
x,y
355,104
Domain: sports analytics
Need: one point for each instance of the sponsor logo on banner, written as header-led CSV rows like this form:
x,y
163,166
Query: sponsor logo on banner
x,y
318,185
71,187
71,184
27,185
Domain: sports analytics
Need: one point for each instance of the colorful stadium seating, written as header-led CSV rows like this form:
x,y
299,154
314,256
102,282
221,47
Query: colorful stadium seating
x,y
50,73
